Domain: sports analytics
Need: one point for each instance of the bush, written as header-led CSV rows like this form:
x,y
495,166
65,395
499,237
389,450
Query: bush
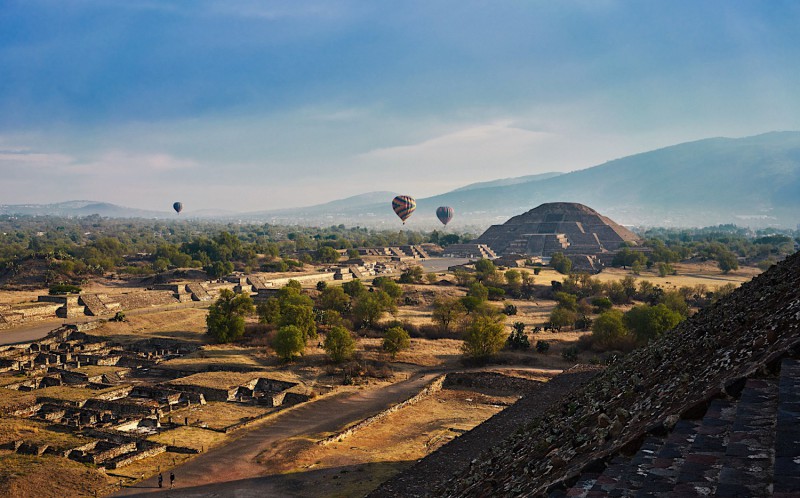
x,y
561,263
570,353
518,338
60,289
484,337
321,285
509,309
225,318
542,347
496,293
339,344
602,304
609,329
396,340
289,342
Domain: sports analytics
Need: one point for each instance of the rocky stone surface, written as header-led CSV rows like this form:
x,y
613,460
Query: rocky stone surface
x,y
731,352
566,227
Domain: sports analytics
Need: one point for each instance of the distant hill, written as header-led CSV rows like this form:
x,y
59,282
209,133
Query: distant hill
x,y
752,181
80,208
503,182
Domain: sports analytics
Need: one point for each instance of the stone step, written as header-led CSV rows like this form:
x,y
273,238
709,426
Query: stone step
x,y
702,460
747,466
660,472
625,475
786,478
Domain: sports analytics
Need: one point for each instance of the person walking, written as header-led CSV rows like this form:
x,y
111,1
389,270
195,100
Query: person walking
x,y
160,481
171,480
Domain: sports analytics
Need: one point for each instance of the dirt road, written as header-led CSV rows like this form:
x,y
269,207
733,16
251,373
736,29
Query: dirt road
x,y
28,333
236,460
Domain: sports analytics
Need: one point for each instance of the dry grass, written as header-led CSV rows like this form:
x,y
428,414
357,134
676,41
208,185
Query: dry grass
x,y
49,477
148,467
227,380
93,370
185,324
67,393
32,431
189,437
689,275
218,415
382,449
220,355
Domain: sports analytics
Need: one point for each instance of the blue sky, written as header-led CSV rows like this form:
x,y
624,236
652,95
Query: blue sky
x,y
255,105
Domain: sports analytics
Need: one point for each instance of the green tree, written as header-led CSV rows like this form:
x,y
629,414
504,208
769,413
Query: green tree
x,y
566,301
339,344
225,319
727,261
649,322
561,263
388,286
446,313
219,269
289,342
484,269
608,328
479,291
484,337
396,340
301,316
334,298
354,288
327,255
562,317
368,309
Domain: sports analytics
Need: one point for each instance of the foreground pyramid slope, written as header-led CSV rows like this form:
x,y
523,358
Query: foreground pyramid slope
x,y
710,409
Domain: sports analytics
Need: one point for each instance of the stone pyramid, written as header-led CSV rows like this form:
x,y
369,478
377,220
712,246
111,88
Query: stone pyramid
x,y
566,227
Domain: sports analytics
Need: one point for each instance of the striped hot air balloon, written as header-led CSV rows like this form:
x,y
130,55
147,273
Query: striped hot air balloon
x,y
403,206
445,214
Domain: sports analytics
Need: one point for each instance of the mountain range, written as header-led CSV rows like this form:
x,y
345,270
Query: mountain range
x,y
751,181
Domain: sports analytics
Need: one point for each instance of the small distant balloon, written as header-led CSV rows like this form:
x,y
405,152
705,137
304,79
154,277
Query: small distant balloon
x,y
445,214
178,207
403,206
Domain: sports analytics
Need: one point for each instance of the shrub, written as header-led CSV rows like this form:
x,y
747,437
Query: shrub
x,y
509,309
518,338
542,347
484,337
225,318
321,285
570,353
289,342
396,340
339,344
602,304
59,289
561,263
608,329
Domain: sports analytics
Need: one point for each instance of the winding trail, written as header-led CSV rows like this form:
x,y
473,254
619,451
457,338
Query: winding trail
x,y
236,460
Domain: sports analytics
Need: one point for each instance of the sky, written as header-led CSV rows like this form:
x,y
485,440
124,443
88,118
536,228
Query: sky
x,y
255,105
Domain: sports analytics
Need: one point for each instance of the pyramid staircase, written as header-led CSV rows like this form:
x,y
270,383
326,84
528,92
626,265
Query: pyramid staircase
x,y
744,447
94,306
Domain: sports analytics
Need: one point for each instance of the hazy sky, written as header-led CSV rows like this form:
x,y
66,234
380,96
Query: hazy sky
x,y
249,105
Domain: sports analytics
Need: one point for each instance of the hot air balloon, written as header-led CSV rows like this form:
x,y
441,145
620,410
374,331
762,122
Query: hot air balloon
x,y
403,206
178,207
445,214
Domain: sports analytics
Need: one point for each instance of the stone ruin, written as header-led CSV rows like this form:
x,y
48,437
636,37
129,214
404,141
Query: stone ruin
x,y
114,396
581,233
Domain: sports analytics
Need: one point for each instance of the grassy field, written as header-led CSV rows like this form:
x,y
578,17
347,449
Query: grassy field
x,y
49,477
218,415
35,432
189,437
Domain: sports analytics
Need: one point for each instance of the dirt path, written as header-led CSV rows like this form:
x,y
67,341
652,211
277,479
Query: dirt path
x,y
236,461
29,332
